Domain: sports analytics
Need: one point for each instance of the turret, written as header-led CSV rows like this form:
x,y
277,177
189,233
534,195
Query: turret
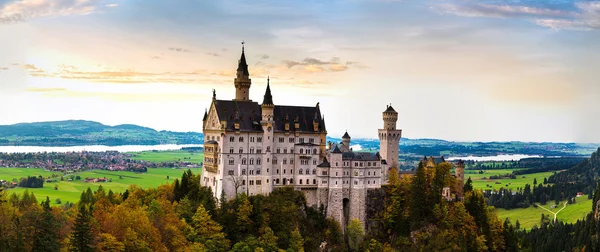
x,y
346,140
204,118
242,81
267,104
459,173
390,117
389,141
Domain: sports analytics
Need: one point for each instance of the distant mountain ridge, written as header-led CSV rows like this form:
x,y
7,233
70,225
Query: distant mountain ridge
x,y
81,132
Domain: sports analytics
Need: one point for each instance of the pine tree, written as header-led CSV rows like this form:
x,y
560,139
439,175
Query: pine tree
x,y
468,186
82,237
45,237
296,242
419,209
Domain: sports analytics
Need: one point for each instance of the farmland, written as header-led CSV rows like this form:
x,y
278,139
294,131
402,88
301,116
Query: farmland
x,y
482,181
531,216
169,156
71,190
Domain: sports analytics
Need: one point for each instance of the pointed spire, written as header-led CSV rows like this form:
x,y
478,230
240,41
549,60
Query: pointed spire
x,y
205,115
214,94
268,98
242,65
346,135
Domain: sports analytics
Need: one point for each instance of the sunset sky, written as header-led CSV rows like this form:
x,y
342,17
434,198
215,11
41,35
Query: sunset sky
x,y
466,70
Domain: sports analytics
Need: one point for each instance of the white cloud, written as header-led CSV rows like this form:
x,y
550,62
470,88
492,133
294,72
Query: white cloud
x,y
23,10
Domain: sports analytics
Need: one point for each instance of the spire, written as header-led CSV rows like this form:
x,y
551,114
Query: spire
x,y
268,99
214,94
205,115
242,66
346,135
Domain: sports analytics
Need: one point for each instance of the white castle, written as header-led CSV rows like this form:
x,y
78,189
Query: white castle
x,y
255,148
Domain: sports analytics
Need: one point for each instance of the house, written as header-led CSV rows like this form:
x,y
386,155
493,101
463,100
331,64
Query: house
x,y
579,194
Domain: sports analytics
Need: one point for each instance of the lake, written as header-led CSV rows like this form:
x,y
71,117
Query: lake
x,y
95,148
510,157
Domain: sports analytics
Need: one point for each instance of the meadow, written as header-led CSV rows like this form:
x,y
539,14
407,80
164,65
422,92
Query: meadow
x,y
482,181
71,190
531,216
169,156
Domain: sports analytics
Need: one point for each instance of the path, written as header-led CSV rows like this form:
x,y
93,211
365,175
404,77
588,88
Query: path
x,y
565,205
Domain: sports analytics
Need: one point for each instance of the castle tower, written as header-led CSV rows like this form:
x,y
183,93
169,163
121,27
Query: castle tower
x,y
267,124
459,173
337,202
346,140
242,81
389,141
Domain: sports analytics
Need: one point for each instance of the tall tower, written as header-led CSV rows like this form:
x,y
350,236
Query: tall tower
x,y
389,141
346,140
267,123
242,80
459,173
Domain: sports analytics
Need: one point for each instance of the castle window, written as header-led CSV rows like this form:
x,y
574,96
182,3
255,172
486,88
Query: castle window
x,y
336,182
336,173
336,164
314,151
231,139
311,140
314,172
259,139
230,172
324,173
291,171
277,173
278,150
324,181
259,150
241,150
231,161
285,161
252,139
301,151
301,140
281,139
355,182
276,181
307,181
258,172
291,161
300,171
252,150
252,161
368,182
274,160
314,181
300,180
291,182
251,182
314,161
356,164
258,161
284,171
251,172
259,182
369,173
241,139
284,181
231,150
307,171
243,171
291,139
284,150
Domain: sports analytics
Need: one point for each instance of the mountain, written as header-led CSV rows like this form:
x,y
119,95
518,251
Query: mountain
x,y
79,132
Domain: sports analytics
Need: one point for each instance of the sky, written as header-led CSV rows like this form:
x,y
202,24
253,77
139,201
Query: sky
x,y
462,70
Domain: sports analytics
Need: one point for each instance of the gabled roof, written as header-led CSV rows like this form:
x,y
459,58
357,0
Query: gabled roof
x,y
336,149
360,156
246,113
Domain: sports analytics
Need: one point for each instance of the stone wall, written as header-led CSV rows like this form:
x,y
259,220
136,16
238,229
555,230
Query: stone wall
x,y
375,205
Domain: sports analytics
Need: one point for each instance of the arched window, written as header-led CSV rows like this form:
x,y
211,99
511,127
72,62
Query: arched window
x,y
243,171
307,171
314,151
300,180
243,161
244,182
314,181
241,139
274,160
231,161
285,161
276,181
241,150
314,171
231,150
258,161
268,148
301,151
300,171
252,161
252,150
284,150
307,181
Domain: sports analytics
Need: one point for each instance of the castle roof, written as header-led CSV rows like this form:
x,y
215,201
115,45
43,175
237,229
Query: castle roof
x,y
389,109
205,115
325,163
242,65
336,149
360,156
346,135
248,114
268,98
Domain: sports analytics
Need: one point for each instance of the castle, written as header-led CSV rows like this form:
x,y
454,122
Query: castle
x,y
255,148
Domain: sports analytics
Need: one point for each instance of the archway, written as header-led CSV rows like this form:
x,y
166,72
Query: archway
x,y
346,212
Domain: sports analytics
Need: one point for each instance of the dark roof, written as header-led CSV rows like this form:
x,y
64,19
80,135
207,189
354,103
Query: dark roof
x,y
346,135
436,160
268,98
360,156
336,149
205,115
212,142
248,114
324,164
389,109
242,66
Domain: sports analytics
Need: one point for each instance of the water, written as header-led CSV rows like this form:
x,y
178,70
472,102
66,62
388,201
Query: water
x,y
94,148
515,157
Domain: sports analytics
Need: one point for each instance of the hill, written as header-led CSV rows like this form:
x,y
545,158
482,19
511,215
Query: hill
x,y
79,132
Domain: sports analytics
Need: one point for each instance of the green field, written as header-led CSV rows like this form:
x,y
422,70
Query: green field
x,y
531,216
480,183
71,190
169,156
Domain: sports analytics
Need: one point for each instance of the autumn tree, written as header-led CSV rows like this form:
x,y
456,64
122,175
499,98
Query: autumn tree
x,y
355,234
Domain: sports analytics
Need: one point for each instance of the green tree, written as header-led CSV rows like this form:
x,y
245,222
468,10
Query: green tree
x,y
268,240
355,234
208,231
45,238
468,186
419,207
296,242
110,243
82,237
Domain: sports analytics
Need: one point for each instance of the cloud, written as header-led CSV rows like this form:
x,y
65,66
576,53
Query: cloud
x,y
175,49
214,54
111,5
46,90
22,10
4,68
313,65
119,97
579,16
264,56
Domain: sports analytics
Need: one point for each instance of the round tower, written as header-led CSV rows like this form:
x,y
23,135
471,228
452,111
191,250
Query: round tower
x,y
242,80
459,173
346,140
389,141
390,117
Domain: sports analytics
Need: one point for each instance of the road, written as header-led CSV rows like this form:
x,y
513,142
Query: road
x,y
565,205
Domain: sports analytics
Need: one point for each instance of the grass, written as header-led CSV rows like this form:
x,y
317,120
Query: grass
x,y
169,156
71,190
531,216
480,183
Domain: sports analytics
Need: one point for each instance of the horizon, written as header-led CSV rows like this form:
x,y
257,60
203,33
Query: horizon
x,y
491,71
